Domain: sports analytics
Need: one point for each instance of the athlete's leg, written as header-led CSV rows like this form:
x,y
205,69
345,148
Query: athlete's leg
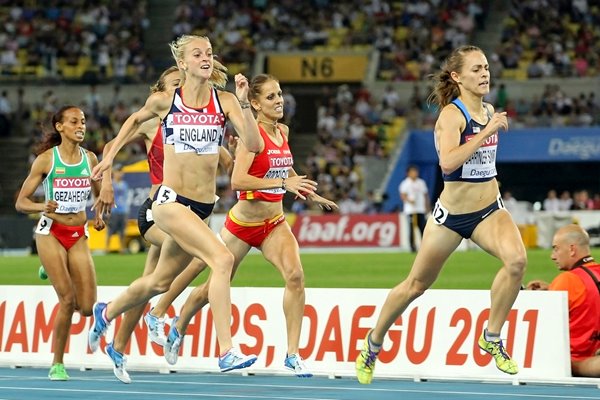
x,y
281,249
500,237
194,237
133,315
183,280
54,258
437,245
198,298
83,276
170,263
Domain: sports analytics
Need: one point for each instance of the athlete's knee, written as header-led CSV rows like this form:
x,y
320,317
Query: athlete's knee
x,y
295,279
517,264
200,294
68,302
160,285
86,310
415,288
223,264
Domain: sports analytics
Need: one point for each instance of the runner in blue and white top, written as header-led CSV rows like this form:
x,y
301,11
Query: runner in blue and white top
x,y
466,138
481,165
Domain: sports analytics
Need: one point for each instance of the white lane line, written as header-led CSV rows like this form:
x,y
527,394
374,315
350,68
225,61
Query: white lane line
x,y
175,394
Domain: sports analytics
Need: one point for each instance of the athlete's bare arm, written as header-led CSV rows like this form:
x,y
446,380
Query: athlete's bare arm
x,y
157,105
242,119
39,169
102,208
225,160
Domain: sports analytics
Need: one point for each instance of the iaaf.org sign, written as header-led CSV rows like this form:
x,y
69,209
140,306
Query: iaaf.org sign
x,y
436,336
353,230
580,147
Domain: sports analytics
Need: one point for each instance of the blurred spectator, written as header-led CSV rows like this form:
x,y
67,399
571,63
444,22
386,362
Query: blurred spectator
x,y
415,199
93,101
582,201
596,201
509,201
8,59
289,107
565,201
391,98
552,203
502,97
117,221
5,114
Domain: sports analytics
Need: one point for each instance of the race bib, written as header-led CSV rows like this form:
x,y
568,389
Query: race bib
x,y
439,213
43,225
165,195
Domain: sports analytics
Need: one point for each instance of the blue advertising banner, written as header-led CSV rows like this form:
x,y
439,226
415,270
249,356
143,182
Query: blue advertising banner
x,y
537,145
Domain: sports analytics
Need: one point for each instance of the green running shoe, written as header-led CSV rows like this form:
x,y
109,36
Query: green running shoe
x,y
503,361
365,362
58,373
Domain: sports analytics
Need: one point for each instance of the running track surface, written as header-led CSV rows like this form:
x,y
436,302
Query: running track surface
x,y
32,383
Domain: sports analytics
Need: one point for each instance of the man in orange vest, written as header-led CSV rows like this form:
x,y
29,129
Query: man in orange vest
x,y
581,276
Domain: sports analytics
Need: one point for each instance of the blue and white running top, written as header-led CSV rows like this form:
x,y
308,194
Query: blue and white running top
x,y
481,166
198,130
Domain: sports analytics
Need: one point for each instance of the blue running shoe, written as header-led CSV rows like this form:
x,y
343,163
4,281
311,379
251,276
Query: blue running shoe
x,y
99,328
173,343
156,328
119,361
295,363
235,359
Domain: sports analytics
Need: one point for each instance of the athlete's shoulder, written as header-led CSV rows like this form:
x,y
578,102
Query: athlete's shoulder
x,y
285,130
149,128
451,110
160,100
450,118
225,96
49,153
46,156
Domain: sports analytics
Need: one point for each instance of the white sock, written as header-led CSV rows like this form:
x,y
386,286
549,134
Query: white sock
x,y
490,337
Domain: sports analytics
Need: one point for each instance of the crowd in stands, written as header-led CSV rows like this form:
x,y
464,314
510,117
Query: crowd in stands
x,y
543,38
410,36
539,38
71,38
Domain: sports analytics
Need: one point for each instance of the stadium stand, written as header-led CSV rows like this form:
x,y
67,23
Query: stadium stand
x,y
73,40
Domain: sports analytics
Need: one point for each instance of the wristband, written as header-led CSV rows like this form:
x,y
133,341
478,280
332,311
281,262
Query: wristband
x,y
244,104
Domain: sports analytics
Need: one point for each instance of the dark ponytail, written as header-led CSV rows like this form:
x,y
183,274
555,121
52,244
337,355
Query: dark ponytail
x,y
445,88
